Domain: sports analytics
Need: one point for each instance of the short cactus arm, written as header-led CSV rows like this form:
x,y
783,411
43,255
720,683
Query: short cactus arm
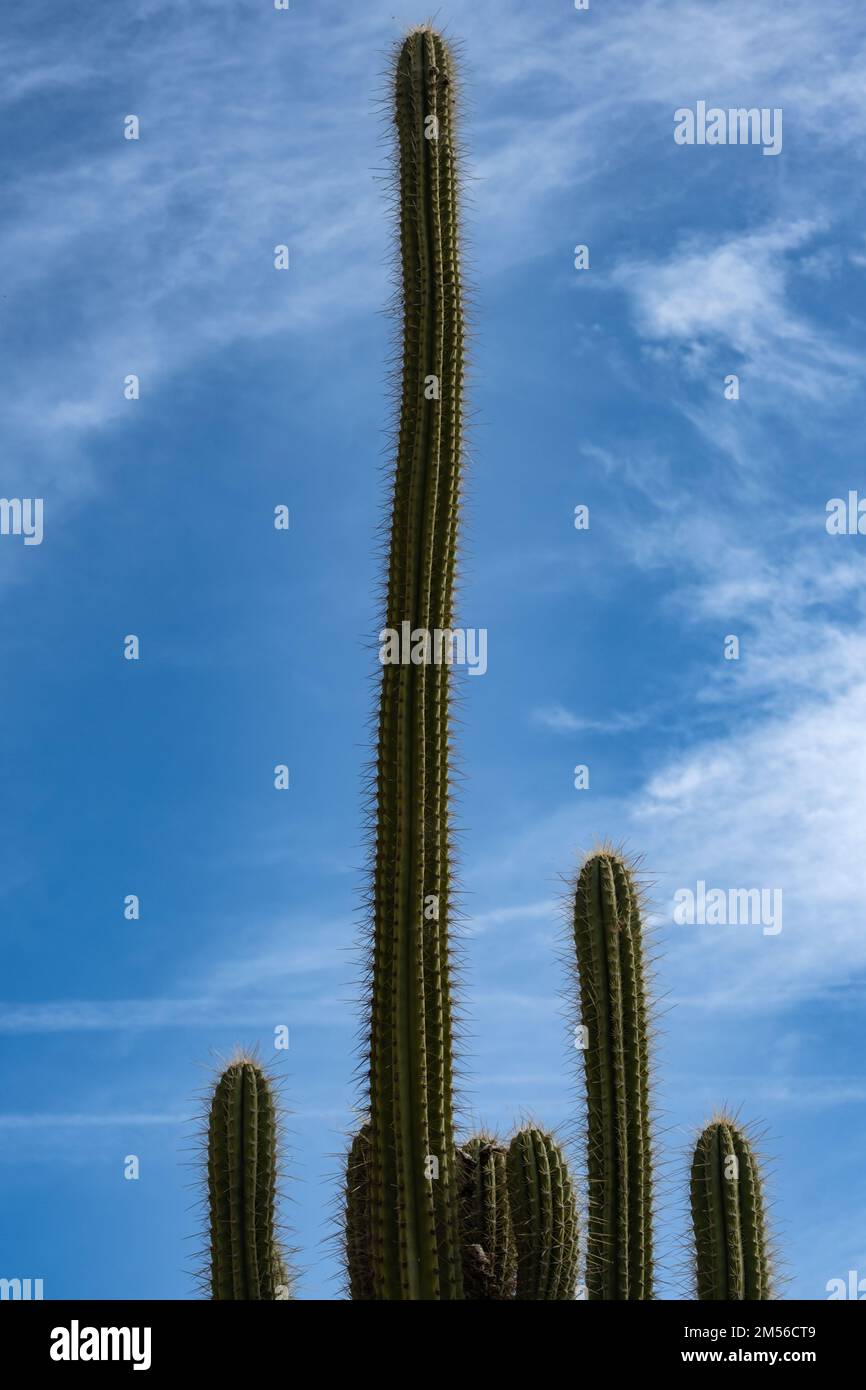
x,y
544,1217
357,1217
613,1009
245,1258
732,1260
487,1239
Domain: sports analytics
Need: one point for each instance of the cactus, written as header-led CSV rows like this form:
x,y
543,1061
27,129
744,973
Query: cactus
x,y
415,1247
732,1260
487,1237
425,1219
245,1258
544,1216
357,1217
613,1010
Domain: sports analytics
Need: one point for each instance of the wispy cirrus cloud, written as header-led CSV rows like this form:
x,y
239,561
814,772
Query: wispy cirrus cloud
x,y
119,1119
158,252
168,241
736,294
244,984
480,922
562,721
776,801
164,1014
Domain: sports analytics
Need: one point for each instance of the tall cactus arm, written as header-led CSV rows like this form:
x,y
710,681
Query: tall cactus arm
x,y
415,1248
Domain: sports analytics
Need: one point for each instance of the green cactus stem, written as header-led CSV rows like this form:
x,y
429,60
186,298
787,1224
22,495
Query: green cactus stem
x,y
732,1261
544,1217
245,1258
489,1254
415,1246
357,1217
609,949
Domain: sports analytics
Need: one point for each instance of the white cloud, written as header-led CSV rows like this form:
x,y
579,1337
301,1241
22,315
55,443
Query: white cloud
x,y
778,800
95,1120
736,294
480,922
132,1015
777,805
154,253
164,243
562,721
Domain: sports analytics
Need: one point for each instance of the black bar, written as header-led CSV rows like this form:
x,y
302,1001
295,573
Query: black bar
x,y
257,1338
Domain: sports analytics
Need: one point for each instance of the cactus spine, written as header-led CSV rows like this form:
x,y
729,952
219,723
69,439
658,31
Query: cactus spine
x,y
414,1220
730,1229
613,1009
245,1258
544,1216
489,1255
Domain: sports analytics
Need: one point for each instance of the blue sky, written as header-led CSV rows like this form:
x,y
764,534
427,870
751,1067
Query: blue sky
x,y
603,387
